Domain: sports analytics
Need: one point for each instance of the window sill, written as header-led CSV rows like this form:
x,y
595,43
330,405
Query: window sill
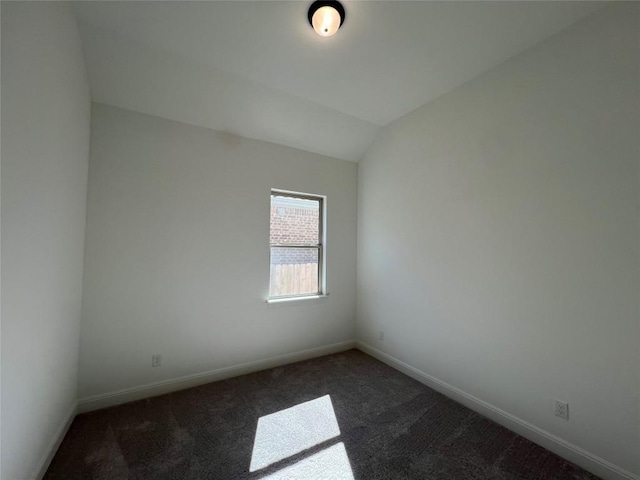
x,y
291,301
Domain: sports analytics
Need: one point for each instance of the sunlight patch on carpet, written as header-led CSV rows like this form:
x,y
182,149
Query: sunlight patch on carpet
x,y
293,430
332,462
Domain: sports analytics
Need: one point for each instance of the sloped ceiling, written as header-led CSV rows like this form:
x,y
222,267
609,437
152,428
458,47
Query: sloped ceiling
x,y
257,69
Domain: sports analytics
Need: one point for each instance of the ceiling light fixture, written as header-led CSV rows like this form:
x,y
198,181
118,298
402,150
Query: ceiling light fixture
x,y
326,17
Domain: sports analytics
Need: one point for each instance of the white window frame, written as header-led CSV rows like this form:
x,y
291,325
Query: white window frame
x,y
321,247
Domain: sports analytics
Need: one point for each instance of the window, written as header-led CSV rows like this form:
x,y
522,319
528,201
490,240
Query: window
x,y
296,245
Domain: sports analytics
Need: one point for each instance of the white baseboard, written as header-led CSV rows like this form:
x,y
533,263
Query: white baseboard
x,y
55,442
118,397
553,443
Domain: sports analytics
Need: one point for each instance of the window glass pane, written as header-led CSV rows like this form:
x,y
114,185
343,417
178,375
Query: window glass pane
x,y
294,220
294,271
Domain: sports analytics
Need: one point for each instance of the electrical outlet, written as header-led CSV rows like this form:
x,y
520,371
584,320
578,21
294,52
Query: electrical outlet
x,y
156,360
562,409
381,335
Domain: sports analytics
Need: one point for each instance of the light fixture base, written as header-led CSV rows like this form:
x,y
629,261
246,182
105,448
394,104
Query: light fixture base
x,y
326,5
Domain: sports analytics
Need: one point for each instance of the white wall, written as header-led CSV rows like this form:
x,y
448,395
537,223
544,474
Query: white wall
x,y
498,236
45,151
177,258
136,76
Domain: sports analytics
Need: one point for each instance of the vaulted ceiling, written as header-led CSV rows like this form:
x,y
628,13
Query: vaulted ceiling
x,y
257,69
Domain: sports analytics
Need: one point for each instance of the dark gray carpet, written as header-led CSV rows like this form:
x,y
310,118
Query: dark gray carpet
x,y
391,426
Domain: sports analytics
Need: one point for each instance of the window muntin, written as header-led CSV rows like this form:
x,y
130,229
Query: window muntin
x,y
296,245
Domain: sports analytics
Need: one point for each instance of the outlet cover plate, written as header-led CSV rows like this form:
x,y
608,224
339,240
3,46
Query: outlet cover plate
x,y
562,409
156,360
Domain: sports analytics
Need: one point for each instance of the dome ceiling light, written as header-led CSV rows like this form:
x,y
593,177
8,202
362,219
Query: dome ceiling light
x,y
326,17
